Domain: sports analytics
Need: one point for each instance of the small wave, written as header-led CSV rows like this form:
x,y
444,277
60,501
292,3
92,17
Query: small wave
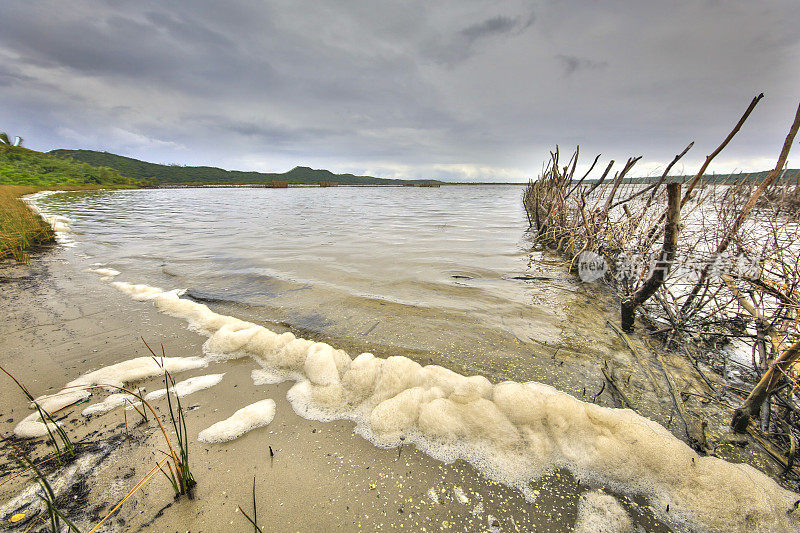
x,y
60,224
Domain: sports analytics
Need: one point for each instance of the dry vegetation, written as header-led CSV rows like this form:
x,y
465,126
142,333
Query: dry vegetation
x,y
703,266
20,228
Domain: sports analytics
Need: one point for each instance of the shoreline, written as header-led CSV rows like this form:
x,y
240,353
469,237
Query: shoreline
x,y
84,291
22,228
27,230
385,487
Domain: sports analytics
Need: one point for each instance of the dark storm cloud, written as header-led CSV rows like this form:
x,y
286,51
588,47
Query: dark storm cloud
x,y
451,48
573,63
461,88
492,26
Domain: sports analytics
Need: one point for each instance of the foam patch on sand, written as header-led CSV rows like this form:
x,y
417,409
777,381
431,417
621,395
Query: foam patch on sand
x,y
188,386
138,292
263,376
253,416
136,369
33,426
112,377
59,224
106,273
601,513
112,401
55,402
512,432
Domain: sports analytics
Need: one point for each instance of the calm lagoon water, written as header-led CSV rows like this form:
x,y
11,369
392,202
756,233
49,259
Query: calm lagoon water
x,y
429,273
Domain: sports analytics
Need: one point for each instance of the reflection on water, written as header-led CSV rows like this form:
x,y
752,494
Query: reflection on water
x,y
424,272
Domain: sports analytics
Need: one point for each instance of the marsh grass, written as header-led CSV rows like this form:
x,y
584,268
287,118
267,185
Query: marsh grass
x,y
180,475
254,519
20,227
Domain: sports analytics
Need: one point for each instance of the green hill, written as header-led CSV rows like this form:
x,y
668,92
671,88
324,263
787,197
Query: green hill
x,y
754,177
21,166
176,174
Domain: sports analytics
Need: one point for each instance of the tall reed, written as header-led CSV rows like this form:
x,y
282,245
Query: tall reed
x,y
180,475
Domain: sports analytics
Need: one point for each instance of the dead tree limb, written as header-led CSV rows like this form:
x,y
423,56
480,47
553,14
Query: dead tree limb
x,y
580,181
664,263
734,131
602,178
743,214
693,427
639,359
769,381
618,397
694,181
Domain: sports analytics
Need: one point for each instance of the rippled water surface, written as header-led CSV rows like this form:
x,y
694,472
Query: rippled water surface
x,y
431,273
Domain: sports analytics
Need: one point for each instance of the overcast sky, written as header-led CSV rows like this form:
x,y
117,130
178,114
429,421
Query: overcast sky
x,y
468,90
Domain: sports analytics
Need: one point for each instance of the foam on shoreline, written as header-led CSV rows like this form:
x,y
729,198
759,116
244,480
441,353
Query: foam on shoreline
x,y
33,426
112,377
112,401
106,273
60,224
601,513
512,432
187,386
248,418
115,376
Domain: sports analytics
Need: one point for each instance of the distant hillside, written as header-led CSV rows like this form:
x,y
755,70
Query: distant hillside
x,y
175,174
756,177
20,166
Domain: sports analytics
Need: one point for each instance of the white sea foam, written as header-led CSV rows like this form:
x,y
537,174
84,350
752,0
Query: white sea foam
x,y
513,432
187,386
112,401
253,416
55,402
433,495
601,513
60,224
112,377
106,273
136,369
138,292
264,376
32,426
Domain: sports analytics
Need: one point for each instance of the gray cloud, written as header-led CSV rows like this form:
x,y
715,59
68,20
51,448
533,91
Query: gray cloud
x,y
451,48
492,26
573,64
461,88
